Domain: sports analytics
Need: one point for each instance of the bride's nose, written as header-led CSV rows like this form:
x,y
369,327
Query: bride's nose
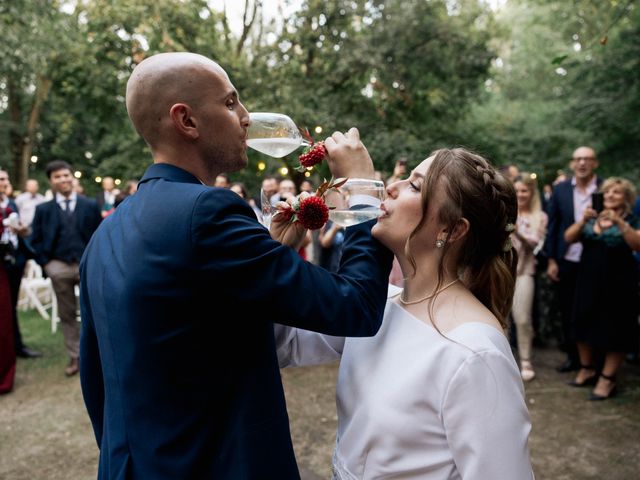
x,y
391,190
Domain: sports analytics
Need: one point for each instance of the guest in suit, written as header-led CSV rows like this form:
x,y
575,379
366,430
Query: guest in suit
x,y
172,393
62,228
106,198
569,200
20,252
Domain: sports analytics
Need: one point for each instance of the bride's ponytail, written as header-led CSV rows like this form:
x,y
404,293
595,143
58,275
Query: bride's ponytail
x,y
487,200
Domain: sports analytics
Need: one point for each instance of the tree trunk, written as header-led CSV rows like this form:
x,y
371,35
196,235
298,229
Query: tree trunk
x,y
43,86
15,130
246,24
22,138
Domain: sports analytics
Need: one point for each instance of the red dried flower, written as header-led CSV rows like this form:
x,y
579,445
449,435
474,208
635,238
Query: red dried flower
x,y
313,155
313,213
310,210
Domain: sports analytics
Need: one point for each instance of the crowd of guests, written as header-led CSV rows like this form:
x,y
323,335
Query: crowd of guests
x,y
53,229
588,250
586,230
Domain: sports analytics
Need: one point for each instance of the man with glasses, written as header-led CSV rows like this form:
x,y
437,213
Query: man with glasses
x,y
568,202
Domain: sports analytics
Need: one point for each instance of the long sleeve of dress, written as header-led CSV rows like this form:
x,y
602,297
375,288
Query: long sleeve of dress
x,y
297,347
486,420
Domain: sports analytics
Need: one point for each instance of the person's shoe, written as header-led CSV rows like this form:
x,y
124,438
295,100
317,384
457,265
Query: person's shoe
x,y
595,397
587,380
568,365
72,368
526,371
28,353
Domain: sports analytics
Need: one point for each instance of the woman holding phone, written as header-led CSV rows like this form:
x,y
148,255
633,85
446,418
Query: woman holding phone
x,y
606,308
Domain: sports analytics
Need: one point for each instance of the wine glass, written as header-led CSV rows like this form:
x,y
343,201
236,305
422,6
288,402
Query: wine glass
x,y
363,194
277,135
274,134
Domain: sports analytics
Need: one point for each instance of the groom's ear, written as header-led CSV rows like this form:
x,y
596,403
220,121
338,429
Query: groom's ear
x,y
183,121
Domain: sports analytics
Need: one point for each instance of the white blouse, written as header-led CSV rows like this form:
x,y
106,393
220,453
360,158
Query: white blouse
x,y
414,404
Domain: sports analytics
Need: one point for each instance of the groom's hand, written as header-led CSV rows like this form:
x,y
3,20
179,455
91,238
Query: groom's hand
x,y
283,229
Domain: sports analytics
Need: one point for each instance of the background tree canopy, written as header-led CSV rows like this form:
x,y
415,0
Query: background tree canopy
x,y
522,84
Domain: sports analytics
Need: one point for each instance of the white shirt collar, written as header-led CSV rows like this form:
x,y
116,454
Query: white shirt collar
x,y
592,183
61,198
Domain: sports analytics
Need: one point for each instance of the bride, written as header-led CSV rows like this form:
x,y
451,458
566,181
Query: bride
x,y
436,394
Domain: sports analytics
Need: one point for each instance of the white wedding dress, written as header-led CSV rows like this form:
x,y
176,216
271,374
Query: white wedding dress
x,y
414,404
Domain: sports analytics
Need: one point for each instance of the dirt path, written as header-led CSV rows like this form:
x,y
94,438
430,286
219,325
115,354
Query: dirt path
x,y
45,433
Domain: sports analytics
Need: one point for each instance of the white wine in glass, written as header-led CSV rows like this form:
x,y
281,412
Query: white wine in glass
x,y
274,134
363,194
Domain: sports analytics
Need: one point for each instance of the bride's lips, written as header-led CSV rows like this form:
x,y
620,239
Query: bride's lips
x,y
384,211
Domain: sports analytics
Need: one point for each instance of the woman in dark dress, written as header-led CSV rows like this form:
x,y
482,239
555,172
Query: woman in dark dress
x,y
7,348
606,309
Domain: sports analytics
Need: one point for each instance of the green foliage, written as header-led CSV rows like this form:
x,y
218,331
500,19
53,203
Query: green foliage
x,y
412,75
569,75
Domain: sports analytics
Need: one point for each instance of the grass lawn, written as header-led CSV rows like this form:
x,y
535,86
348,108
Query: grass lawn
x,y
45,431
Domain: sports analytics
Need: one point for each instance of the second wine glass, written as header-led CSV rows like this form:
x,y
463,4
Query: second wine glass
x,y
357,200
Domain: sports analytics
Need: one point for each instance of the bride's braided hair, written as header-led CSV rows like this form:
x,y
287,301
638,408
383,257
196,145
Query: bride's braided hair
x,y
475,191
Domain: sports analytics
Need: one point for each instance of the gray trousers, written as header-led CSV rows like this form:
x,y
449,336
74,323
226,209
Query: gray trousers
x,y
522,313
64,277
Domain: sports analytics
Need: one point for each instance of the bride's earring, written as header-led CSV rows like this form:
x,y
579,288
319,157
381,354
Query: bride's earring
x,y
440,243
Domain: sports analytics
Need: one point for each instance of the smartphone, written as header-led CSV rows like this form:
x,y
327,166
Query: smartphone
x,y
597,201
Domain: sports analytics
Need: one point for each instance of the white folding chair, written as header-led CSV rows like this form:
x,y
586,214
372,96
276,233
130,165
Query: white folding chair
x,y
37,292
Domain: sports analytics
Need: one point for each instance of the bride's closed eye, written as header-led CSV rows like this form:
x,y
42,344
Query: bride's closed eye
x,y
414,186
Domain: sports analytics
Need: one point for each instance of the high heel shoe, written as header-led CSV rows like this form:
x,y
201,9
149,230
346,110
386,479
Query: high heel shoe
x,y
590,381
526,371
594,397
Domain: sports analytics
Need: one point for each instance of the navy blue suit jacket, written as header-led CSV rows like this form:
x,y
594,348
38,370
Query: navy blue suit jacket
x,y
180,288
46,226
561,217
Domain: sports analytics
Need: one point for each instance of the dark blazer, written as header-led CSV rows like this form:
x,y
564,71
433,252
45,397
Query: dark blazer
x,y
46,225
180,288
561,217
